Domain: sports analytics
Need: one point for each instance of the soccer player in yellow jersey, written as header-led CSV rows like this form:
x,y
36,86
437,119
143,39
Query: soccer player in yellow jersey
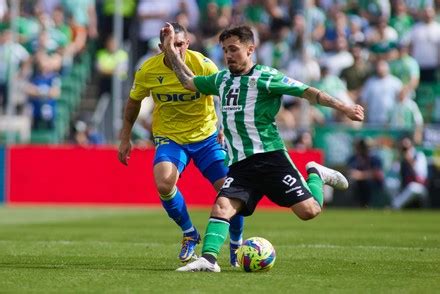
x,y
184,128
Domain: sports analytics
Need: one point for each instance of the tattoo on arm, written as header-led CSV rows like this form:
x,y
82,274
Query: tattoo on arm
x,y
183,73
322,98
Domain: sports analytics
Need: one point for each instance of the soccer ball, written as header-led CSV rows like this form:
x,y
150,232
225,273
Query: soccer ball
x,y
256,254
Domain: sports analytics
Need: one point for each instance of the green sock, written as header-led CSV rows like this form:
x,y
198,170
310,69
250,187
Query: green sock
x,y
315,184
215,235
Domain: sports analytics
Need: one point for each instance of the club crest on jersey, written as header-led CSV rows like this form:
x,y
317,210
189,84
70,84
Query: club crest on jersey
x,y
160,79
252,82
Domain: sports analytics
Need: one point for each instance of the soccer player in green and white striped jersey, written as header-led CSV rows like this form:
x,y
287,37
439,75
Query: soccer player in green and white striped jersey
x,y
257,158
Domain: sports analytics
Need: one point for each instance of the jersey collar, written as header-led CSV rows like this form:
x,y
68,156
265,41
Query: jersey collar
x,y
246,74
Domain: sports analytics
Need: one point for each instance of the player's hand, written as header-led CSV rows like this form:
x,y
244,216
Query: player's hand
x,y
355,112
124,152
169,34
221,137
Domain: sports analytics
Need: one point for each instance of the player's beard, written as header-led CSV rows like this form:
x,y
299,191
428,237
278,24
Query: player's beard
x,y
235,69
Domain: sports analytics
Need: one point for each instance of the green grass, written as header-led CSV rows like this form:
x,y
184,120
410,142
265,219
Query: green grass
x,y
134,250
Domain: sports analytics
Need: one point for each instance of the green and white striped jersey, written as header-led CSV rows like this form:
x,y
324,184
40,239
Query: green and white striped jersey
x,y
249,104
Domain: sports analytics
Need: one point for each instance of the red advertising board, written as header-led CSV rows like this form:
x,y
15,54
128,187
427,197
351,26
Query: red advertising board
x,y
76,175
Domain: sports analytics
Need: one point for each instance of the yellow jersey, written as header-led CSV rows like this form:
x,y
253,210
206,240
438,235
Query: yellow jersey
x,y
178,114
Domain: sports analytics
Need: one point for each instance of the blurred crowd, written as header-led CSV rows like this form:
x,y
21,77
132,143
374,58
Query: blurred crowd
x,y
383,54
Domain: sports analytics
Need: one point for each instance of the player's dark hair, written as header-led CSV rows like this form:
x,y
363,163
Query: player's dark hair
x,y
244,34
178,28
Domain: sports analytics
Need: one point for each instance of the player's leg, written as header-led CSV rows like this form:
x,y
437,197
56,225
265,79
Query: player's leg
x,y
215,235
170,161
238,195
209,157
285,186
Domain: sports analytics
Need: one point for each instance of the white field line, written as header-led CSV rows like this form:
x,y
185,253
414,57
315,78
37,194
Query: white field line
x,y
318,246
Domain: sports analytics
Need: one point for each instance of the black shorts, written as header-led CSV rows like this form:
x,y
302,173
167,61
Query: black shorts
x,y
272,174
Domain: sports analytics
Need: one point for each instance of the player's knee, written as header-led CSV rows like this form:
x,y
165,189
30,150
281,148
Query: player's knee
x,y
307,212
165,187
223,209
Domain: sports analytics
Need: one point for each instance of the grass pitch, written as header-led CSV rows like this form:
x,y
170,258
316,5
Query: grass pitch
x,y
133,250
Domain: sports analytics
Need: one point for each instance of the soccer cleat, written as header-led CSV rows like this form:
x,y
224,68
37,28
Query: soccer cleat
x,y
330,176
188,247
200,265
233,254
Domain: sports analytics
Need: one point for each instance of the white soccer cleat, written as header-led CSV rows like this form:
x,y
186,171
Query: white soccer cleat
x,y
330,176
200,265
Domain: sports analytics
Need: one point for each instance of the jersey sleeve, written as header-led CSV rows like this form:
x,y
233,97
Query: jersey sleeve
x,y
206,84
139,91
281,84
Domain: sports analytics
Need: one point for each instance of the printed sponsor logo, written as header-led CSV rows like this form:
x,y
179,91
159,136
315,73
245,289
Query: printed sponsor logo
x,y
160,79
290,82
291,181
232,108
181,97
158,140
231,101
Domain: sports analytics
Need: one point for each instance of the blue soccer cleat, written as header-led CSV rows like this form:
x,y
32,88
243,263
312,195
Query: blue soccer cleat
x,y
233,254
189,244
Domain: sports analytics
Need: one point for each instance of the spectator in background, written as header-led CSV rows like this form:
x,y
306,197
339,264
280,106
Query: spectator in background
x,y
153,49
333,85
413,174
64,35
303,142
11,55
401,20
83,13
255,13
304,67
338,59
337,26
215,15
152,14
406,115
190,10
365,172
379,94
315,21
372,10
406,69
276,51
425,44
380,32
3,9
356,34
87,134
107,13
356,75
45,50
416,7
110,61
43,90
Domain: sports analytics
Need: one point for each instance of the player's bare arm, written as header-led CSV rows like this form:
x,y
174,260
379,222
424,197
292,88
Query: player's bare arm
x,y
354,112
183,73
130,115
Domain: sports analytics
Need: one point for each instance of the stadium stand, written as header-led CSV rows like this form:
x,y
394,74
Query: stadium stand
x,y
335,44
